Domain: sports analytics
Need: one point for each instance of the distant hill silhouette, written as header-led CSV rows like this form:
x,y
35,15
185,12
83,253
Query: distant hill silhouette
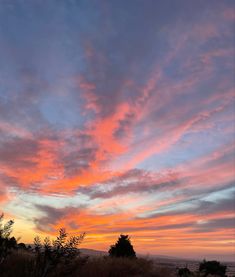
x,y
92,252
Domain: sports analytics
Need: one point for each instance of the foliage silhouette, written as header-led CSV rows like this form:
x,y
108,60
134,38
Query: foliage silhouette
x,y
51,253
212,267
184,272
122,248
22,246
6,243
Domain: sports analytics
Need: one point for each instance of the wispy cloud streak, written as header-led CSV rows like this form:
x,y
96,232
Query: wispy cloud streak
x,y
120,117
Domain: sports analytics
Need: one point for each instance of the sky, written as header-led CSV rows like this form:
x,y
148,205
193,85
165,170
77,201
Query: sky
x,y
118,117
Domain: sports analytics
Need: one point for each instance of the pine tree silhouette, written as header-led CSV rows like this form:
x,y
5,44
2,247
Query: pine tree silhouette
x,y
122,248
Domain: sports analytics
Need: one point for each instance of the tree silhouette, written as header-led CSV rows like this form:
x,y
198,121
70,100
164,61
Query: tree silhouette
x,y
6,243
122,248
212,267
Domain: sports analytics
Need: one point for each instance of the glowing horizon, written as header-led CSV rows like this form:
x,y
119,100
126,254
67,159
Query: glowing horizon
x,y
118,117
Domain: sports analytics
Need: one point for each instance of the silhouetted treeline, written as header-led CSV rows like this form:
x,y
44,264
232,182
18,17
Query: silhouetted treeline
x,y
61,257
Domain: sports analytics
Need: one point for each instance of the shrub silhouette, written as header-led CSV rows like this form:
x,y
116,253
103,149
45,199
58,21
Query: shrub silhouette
x,y
122,248
212,267
184,272
22,246
51,253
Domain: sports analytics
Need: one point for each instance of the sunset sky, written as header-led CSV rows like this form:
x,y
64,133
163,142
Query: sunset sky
x,y
118,117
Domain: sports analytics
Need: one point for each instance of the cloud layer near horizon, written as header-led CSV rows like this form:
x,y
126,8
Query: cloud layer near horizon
x,y
119,117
